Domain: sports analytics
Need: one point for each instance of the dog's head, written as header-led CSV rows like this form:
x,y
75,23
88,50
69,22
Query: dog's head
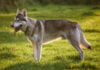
x,y
19,21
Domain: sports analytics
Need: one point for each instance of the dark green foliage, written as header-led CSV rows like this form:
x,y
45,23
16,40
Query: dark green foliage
x,y
7,5
69,2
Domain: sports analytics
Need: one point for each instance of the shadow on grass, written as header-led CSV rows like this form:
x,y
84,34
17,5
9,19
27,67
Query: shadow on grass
x,y
8,37
88,13
96,8
50,66
75,58
92,30
6,56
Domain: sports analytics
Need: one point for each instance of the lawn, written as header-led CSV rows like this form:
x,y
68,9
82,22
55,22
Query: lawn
x,y
16,52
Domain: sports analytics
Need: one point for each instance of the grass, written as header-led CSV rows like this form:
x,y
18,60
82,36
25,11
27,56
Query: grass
x,y
16,52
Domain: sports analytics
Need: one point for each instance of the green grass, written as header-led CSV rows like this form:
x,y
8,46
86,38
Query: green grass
x,y
16,52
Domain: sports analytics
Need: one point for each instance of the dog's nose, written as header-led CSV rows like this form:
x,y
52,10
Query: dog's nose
x,y
12,25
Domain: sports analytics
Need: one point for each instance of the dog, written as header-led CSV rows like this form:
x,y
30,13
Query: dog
x,y
42,31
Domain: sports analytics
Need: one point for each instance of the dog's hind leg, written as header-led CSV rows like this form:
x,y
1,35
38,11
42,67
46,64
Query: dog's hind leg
x,y
37,51
74,39
75,44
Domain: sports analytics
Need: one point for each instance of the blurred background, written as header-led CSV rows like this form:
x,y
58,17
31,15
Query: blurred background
x,y
9,5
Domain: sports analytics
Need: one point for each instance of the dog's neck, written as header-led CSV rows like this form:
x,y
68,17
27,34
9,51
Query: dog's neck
x,y
29,28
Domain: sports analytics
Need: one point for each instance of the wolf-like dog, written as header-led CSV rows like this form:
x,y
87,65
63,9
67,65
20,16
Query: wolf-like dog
x,y
42,31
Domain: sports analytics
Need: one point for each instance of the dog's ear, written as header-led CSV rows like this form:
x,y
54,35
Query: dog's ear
x,y
17,12
24,12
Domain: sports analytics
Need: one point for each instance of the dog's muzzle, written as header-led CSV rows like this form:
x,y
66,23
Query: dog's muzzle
x,y
12,25
16,29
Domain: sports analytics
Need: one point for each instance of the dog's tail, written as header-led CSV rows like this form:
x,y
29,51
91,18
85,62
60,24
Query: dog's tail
x,y
83,42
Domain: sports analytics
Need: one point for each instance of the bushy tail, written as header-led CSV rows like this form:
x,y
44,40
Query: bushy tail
x,y
84,42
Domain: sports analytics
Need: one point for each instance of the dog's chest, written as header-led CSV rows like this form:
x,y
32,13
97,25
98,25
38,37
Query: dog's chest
x,y
33,38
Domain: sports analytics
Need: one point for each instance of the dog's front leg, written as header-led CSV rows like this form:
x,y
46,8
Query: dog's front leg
x,y
37,51
38,48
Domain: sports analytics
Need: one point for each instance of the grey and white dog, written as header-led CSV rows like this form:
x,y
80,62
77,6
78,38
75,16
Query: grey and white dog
x,y
41,31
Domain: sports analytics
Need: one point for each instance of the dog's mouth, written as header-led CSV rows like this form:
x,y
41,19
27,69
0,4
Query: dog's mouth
x,y
17,29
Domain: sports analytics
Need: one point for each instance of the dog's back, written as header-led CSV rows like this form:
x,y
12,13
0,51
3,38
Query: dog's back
x,y
58,25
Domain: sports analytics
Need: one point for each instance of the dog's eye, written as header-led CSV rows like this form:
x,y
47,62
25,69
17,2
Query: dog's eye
x,y
17,19
23,19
